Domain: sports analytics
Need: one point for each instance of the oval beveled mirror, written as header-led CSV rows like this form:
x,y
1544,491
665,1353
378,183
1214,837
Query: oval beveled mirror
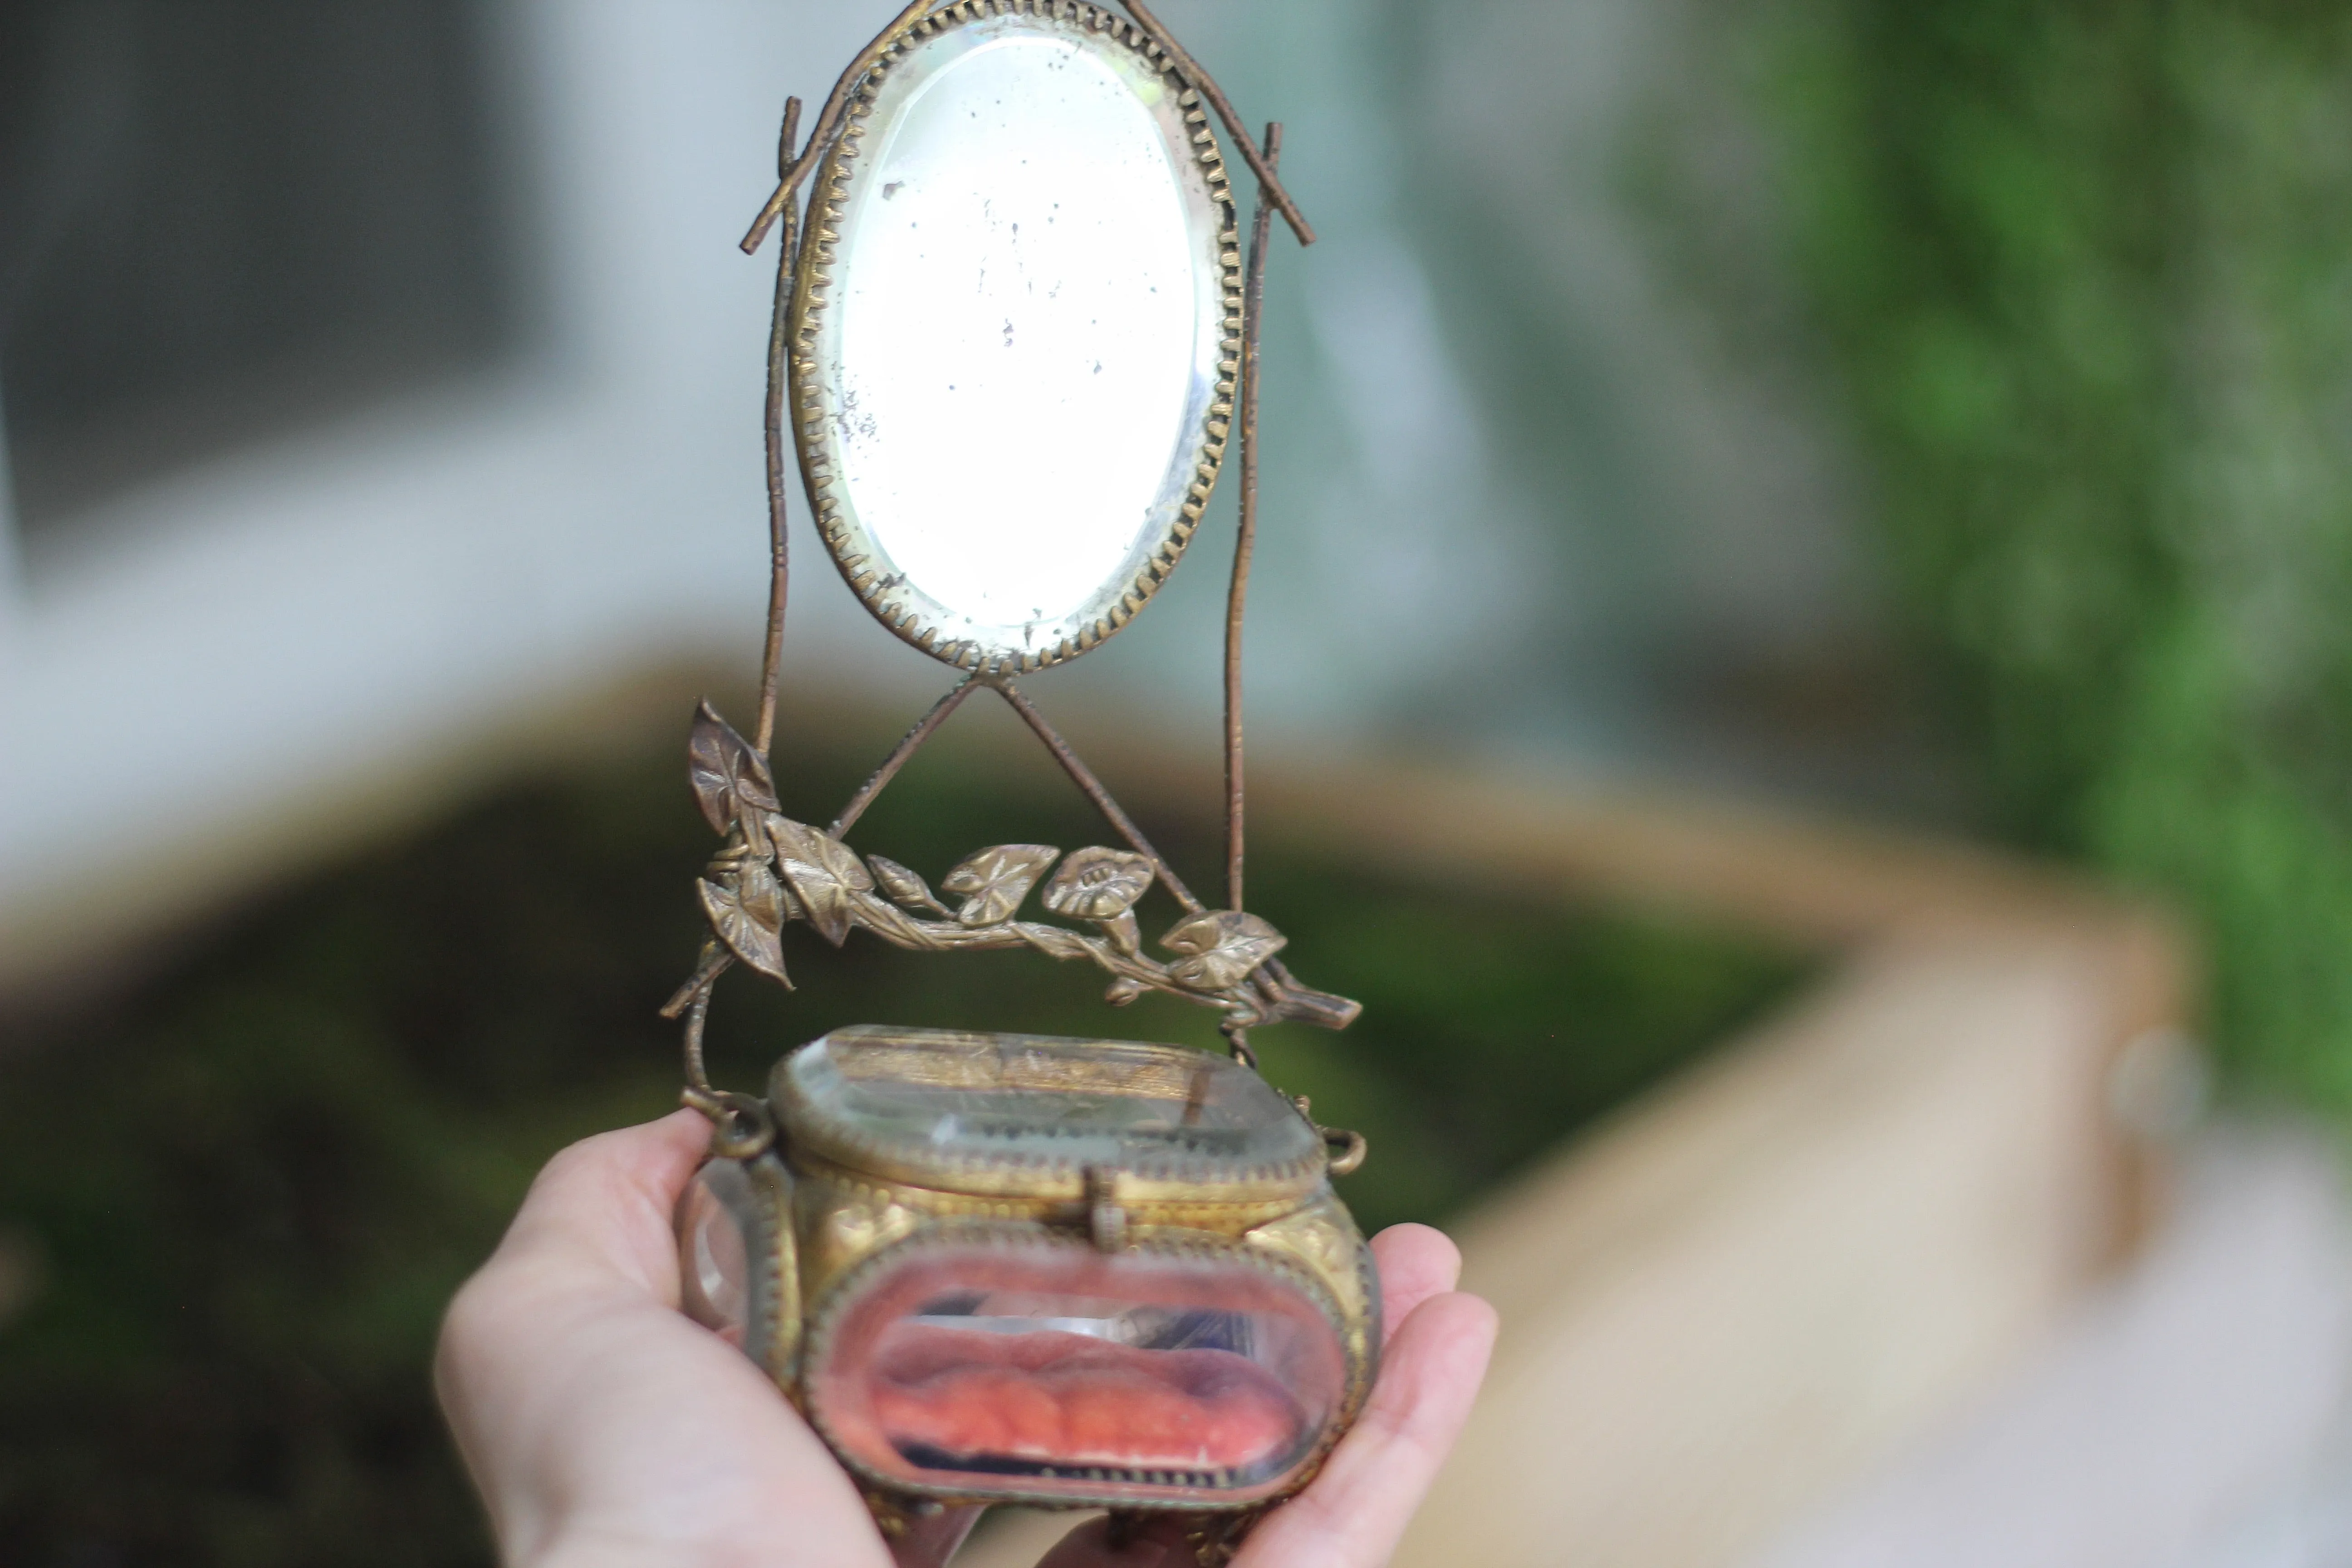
x,y
1016,331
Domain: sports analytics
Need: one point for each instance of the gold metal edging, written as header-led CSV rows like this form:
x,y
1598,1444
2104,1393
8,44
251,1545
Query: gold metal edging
x,y
1038,1190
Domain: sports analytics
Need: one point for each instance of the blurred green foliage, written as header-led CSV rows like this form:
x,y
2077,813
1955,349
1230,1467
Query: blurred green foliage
x,y
254,1179
2087,268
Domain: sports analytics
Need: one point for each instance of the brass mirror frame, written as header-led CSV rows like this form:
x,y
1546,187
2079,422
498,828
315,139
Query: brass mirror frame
x,y
864,563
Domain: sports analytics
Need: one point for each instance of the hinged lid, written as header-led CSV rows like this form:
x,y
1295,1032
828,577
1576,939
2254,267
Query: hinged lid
x,y
1031,1114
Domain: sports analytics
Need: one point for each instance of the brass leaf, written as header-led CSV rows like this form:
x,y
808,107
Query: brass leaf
x,y
1096,883
1220,948
1121,929
1055,941
730,778
1122,991
823,871
996,880
763,898
903,886
745,936
826,900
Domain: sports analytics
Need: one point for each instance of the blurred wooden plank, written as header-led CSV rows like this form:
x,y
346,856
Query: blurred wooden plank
x,y
2190,1417
1746,1290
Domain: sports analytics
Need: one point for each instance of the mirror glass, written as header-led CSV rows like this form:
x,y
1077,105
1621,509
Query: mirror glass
x,y
1015,314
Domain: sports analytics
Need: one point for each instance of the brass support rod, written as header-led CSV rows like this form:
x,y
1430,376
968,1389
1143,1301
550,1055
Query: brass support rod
x,y
908,745
1208,89
1083,776
779,568
713,964
828,121
1245,540
698,1079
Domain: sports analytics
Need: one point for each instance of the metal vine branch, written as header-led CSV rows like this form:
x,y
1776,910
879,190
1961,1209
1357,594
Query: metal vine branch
x,y
773,871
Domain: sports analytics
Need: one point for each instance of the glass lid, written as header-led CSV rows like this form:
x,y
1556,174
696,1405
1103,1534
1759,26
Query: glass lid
x,y
946,1104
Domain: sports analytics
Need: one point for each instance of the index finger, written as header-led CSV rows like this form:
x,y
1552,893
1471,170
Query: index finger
x,y
603,1206
1355,1511
1415,1262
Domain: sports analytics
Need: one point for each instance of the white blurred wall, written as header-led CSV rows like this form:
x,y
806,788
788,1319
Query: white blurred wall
x,y
210,674
240,645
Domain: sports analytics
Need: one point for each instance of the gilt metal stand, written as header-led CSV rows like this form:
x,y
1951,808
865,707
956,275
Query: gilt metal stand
x,y
773,870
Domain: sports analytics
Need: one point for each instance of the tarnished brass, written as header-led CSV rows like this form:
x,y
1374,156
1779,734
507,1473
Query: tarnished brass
x,y
830,1207
773,871
846,1196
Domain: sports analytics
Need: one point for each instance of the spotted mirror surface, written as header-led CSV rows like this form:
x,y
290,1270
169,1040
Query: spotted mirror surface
x,y
1014,333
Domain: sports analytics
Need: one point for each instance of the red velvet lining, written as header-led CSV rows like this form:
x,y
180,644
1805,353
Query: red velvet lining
x,y
1072,1399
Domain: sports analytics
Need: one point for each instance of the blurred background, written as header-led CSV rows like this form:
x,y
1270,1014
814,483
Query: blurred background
x,y
1818,459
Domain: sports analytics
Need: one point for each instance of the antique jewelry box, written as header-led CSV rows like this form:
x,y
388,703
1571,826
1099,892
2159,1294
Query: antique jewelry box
x,y
1015,342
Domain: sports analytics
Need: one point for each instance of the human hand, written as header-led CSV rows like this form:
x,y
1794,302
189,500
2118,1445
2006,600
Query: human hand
x,y
607,1430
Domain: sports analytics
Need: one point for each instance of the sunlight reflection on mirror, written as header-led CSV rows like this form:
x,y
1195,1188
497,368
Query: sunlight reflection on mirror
x,y
1019,344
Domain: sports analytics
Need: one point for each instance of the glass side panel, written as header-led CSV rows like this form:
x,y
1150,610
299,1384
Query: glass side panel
x,y
1057,1369
714,1250
1075,1102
